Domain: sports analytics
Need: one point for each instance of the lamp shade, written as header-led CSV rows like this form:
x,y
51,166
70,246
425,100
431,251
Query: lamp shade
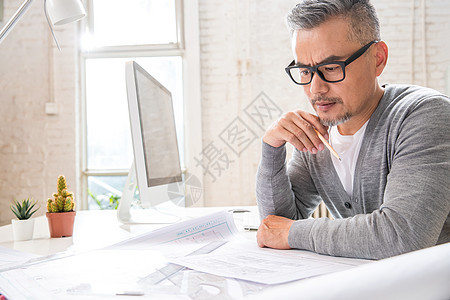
x,y
65,11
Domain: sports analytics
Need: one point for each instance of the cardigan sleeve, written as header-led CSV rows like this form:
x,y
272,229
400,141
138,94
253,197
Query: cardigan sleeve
x,y
274,191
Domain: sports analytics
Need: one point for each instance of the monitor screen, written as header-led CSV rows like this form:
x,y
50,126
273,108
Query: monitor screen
x,y
158,132
153,132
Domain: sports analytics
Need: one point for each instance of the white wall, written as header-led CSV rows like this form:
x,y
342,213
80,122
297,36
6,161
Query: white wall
x,y
244,48
35,147
406,53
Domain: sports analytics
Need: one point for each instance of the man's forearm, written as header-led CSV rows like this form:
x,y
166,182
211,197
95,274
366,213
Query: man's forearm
x,y
273,190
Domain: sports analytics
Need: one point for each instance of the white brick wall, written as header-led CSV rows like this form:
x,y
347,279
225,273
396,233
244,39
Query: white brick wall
x,y
244,49
35,147
397,29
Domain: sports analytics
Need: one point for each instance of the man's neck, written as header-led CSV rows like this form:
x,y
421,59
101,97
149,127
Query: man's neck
x,y
356,122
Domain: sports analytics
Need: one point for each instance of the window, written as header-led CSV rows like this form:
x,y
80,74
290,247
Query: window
x,y
149,32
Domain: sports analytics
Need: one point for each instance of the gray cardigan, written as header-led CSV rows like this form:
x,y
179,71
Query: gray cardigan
x,y
401,187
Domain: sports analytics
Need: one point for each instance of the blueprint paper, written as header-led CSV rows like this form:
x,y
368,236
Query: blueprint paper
x,y
243,259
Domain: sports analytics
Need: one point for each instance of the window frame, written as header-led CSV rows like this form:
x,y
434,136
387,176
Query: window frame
x,y
187,48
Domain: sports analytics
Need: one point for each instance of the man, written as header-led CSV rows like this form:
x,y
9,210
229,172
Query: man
x,y
390,192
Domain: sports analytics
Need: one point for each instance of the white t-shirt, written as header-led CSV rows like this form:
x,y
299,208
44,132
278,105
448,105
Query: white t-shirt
x,y
347,146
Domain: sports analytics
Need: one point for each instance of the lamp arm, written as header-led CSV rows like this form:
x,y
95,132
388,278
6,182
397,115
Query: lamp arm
x,y
14,19
50,24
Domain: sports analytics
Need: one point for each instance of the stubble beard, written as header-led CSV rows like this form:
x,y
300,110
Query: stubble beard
x,y
344,117
336,121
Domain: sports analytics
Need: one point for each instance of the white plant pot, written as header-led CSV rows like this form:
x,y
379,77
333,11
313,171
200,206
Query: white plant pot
x,y
22,229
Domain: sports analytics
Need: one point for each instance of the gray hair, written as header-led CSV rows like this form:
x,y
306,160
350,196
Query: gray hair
x,y
364,25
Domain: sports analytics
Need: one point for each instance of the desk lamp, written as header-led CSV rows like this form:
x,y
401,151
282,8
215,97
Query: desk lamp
x,y
59,11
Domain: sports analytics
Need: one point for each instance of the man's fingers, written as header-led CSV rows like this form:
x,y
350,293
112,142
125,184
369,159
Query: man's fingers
x,y
260,243
299,129
295,135
260,233
315,122
309,137
273,232
303,131
285,133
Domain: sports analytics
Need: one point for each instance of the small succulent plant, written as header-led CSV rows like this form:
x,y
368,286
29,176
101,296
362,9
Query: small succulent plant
x,y
63,200
24,210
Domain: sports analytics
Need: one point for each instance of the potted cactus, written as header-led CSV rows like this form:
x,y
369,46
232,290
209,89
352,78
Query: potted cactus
x,y
23,227
61,214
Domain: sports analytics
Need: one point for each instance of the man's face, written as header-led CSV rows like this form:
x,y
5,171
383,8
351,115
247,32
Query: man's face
x,y
351,100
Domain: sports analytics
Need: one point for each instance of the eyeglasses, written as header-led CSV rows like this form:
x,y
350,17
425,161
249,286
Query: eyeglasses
x,y
329,72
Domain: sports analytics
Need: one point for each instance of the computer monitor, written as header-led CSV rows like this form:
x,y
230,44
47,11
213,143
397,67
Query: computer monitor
x,y
156,157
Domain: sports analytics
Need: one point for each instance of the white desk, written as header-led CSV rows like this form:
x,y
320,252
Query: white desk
x,y
423,274
97,228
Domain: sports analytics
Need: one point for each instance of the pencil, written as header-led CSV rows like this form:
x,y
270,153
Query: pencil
x,y
327,144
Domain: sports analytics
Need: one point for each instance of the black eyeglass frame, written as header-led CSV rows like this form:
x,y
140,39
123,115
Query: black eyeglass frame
x,y
314,69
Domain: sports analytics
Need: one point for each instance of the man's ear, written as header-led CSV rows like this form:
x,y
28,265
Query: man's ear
x,y
381,57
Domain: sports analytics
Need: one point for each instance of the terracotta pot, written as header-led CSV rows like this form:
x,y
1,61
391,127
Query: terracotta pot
x,y
61,224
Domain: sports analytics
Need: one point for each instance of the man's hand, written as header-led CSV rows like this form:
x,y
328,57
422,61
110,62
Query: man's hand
x,y
273,232
297,128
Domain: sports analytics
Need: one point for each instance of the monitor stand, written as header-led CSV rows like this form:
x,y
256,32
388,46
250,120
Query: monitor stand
x,y
165,213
